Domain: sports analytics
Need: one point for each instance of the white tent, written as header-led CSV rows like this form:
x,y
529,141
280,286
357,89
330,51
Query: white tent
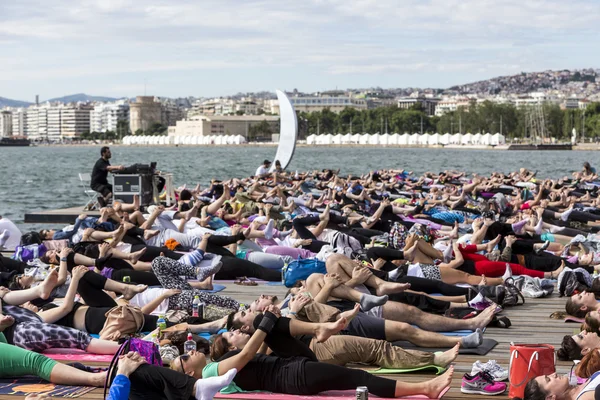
x,y
347,138
328,139
498,139
467,138
364,138
337,139
477,138
394,139
434,139
384,139
486,139
374,139
423,139
455,139
413,139
220,140
403,139
311,139
445,138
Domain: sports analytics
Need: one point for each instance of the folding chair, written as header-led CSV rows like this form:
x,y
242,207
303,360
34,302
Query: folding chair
x,y
92,195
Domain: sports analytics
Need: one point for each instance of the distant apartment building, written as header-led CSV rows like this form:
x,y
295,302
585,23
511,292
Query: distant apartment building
x,y
18,121
74,120
144,112
271,106
335,104
209,125
451,105
427,105
106,116
36,122
170,113
5,123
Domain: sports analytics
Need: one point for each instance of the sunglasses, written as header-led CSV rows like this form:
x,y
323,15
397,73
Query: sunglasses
x,y
182,358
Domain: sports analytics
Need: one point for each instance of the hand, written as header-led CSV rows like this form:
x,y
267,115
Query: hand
x,y
82,216
360,274
332,280
510,240
206,236
274,310
129,363
379,263
65,252
3,291
79,271
171,292
121,167
298,302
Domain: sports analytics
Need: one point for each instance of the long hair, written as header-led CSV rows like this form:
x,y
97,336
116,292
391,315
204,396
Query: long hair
x,y
569,350
589,365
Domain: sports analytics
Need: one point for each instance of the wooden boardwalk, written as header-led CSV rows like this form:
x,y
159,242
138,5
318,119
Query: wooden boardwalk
x,y
530,324
59,216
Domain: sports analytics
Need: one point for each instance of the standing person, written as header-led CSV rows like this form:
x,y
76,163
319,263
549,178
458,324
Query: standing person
x,y
99,181
263,170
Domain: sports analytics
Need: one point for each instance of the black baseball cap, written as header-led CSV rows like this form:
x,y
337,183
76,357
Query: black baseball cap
x,y
266,162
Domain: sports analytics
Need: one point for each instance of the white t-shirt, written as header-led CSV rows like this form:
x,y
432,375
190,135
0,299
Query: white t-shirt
x,y
262,170
141,299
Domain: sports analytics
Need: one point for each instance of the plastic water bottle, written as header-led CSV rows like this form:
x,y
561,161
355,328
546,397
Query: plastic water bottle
x,y
161,324
196,307
189,344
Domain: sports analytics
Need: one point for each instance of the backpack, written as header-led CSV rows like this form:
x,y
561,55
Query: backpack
x,y
32,237
571,282
468,313
301,269
534,287
512,295
122,321
148,350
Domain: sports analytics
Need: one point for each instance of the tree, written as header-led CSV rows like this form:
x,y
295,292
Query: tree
x,y
122,128
260,131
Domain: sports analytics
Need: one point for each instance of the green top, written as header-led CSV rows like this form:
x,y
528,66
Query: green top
x,y
211,370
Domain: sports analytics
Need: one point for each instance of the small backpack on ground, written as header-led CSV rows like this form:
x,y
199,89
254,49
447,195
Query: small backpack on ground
x,y
29,252
513,294
301,269
148,350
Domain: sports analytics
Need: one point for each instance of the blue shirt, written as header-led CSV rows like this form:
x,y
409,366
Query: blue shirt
x,y
119,390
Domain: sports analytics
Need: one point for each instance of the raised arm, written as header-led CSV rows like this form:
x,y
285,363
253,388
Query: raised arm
x,y
54,314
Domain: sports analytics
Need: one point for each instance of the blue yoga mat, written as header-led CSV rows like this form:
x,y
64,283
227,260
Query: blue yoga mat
x,y
216,288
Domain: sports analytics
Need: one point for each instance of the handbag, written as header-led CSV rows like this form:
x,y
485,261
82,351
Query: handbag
x,y
512,295
301,269
122,321
528,361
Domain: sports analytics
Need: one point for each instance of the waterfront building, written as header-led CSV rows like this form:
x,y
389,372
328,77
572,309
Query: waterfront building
x,y
427,105
144,112
335,104
5,123
18,121
215,125
36,122
106,116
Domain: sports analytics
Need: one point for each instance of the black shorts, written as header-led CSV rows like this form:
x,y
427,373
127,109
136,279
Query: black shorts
x,y
362,325
104,190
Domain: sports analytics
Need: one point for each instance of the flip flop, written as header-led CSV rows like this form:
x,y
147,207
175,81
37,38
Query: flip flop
x,y
244,281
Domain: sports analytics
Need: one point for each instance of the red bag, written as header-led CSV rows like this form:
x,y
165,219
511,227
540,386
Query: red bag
x,y
528,361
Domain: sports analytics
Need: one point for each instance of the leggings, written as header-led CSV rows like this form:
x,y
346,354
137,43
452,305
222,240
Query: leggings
x,y
151,382
169,274
39,336
423,303
137,277
19,362
152,252
301,224
234,268
494,269
320,377
289,251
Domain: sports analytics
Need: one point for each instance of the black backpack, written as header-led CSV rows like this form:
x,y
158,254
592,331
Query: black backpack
x,y
31,238
572,282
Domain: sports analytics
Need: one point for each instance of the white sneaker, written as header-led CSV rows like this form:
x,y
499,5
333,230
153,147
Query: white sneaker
x,y
491,367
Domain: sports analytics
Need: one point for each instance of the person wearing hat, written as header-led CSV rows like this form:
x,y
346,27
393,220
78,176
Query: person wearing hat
x,y
263,170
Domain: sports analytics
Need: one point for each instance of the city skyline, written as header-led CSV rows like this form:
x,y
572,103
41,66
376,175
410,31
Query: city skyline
x,y
123,48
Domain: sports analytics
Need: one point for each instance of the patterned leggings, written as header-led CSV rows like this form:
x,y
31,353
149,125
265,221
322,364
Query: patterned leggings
x,y
39,336
169,274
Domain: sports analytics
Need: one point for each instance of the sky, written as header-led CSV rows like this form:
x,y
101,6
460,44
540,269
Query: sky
x,y
205,48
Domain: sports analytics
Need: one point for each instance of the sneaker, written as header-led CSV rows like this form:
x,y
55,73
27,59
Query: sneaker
x,y
480,303
482,383
491,367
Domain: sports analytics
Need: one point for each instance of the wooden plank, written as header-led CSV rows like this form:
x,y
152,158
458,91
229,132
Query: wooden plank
x,y
58,216
531,324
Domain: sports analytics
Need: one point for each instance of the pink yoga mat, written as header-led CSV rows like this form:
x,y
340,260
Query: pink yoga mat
x,y
330,395
573,319
76,355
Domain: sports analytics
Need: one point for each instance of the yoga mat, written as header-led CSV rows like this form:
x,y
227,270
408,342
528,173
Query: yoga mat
x,y
330,395
260,282
573,319
483,349
216,288
76,355
460,332
24,386
383,371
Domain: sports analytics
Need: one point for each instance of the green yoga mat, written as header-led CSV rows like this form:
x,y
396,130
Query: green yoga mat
x,y
383,371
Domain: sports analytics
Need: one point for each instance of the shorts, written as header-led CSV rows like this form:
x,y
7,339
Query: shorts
x,y
366,326
104,190
431,272
547,236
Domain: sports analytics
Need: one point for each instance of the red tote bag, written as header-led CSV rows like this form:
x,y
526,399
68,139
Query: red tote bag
x,y
528,361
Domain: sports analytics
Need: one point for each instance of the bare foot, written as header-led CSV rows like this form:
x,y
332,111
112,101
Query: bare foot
x,y
324,216
135,257
132,290
350,314
444,359
99,379
148,233
389,288
226,192
6,321
48,285
247,232
192,212
492,243
136,202
434,387
484,318
324,331
483,281
103,250
119,231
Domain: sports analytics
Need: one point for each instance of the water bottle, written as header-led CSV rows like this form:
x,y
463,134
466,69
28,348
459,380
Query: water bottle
x,y
161,324
189,344
196,307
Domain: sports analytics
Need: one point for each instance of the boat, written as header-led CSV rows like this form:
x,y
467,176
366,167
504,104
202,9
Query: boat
x,y
21,142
